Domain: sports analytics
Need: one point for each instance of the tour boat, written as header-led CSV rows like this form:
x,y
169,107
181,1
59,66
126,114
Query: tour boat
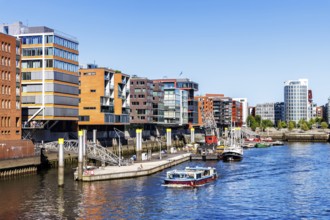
x,y
190,177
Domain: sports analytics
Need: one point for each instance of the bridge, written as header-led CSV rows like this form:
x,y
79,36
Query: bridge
x,y
93,151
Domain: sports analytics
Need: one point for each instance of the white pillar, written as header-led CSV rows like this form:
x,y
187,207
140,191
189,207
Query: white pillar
x,y
61,162
80,155
84,146
139,144
168,139
94,136
192,135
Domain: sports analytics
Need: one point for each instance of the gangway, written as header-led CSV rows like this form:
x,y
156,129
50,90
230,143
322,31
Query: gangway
x,y
93,151
248,133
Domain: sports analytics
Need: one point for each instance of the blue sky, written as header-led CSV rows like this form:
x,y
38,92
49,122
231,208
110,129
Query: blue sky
x,y
240,48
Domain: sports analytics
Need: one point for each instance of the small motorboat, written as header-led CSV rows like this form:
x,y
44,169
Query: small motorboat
x,y
190,177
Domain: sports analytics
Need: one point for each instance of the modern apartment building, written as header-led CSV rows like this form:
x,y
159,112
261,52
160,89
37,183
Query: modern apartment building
x,y
10,93
225,109
279,112
49,77
320,112
245,109
175,103
158,103
296,100
191,87
206,107
237,108
266,111
104,97
147,101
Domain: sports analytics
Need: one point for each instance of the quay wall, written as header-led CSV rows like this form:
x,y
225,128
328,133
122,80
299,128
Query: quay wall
x,y
299,137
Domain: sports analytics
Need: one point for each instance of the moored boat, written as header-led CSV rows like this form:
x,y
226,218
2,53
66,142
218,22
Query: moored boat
x,y
234,150
190,177
262,145
232,153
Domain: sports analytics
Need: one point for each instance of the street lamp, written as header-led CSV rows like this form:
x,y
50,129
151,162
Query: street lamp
x,y
119,147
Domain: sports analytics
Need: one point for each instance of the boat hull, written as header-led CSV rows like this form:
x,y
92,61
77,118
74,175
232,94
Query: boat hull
x,y
262,145
189,183
231,156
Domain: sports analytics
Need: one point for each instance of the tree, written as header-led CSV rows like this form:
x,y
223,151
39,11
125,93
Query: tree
x,y
284,125
324,125
301,122
250,120
258,120
304,126
312,121
291,125
318,120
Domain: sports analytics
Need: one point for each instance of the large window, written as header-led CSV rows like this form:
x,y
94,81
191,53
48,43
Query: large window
x,y
31,64
32,40
65,66
66,54
66,43
32,51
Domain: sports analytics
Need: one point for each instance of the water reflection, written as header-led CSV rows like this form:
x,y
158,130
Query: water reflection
x,y
281,182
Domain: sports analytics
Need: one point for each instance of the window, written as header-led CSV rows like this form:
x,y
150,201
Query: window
x,y
93,90
89,108
89,73
26,75
83,118
49,63
32,40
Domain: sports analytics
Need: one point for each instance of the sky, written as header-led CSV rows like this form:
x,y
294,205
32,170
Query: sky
x,y
239,48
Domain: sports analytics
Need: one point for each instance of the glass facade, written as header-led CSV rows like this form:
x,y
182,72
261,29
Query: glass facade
x,y
296,100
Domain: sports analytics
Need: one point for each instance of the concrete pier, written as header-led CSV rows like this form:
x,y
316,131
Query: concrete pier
x,y
135,170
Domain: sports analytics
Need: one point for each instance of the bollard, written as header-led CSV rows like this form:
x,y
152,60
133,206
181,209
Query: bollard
x,y
61,162
80,155
192,135
168,139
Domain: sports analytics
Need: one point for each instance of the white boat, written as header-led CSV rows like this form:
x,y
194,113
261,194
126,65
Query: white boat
x,y
190,177
234,150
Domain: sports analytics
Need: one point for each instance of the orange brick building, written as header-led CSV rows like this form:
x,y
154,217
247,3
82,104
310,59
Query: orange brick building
x,y
10,76
104,97
225,110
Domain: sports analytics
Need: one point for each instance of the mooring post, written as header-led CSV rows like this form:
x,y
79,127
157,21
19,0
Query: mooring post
x,y
80,155
168,139
94,135
192,135
84,147
139,144
61,162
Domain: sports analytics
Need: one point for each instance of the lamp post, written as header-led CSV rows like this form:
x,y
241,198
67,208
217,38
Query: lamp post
x,y
119,146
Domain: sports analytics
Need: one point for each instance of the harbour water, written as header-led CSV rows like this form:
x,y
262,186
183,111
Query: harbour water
x,y
280,182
